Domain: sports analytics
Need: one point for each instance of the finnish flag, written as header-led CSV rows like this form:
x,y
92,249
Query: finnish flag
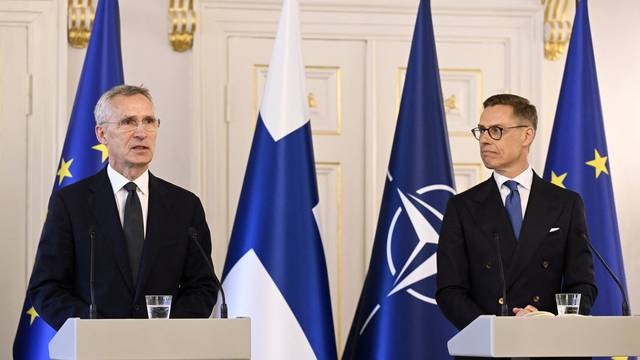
x,y
275,271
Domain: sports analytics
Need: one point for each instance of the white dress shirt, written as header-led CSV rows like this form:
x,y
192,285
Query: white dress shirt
x,y
524,180
118,182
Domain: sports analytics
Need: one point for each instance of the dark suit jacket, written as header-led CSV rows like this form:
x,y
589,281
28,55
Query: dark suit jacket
x,y
171,263
537,266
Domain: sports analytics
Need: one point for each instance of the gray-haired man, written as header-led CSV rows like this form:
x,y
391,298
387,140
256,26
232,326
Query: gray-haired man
x,y
141,227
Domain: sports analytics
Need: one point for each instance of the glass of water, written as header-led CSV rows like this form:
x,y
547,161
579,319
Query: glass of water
x,y
158,306
568,304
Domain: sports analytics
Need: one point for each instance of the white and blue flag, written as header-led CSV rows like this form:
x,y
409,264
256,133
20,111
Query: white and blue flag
x,y
397,315
275,271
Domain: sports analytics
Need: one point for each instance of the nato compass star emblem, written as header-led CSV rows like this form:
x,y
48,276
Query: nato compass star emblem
x,y
425,234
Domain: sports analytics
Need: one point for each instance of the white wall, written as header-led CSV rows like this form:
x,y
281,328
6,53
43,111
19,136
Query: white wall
x,y
614,27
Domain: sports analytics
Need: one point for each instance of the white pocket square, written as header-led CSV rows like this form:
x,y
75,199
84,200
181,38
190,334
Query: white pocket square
x,y
554,230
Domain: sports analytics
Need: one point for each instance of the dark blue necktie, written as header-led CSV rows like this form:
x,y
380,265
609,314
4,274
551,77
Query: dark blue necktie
x,y
514,207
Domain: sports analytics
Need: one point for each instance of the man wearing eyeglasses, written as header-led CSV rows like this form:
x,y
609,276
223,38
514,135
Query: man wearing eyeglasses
x,y
534,230
142,228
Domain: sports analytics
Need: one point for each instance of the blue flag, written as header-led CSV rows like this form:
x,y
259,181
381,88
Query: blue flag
x,y
397,316
82,154
578,158
275,271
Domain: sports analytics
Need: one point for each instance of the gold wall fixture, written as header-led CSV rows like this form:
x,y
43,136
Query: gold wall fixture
x,y
313,102
450,103
557,29
80,15
183,25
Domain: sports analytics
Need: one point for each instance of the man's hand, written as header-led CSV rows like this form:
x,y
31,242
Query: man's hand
x,y
524,311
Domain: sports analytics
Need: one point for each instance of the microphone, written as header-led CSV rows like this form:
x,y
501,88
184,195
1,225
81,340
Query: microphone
x,y
504,308
93,312
625,303
193,233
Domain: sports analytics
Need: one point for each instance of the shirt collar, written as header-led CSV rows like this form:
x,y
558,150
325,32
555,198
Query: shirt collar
x,y
118,181
524,179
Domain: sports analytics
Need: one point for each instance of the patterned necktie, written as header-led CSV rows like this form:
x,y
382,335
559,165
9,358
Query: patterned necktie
x,y
133,229
514,207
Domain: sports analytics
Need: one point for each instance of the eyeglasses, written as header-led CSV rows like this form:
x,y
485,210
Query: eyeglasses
x,y
129,124
495,132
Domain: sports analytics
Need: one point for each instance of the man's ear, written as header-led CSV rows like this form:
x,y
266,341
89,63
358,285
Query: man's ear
x,y
529,134
100,135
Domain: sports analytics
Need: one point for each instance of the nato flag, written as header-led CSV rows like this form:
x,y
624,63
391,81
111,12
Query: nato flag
x,y
82,154
397,316
578,158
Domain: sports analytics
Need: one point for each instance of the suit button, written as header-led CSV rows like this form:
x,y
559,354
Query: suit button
x,y
545,264
487,266
501,301
137,307
536,299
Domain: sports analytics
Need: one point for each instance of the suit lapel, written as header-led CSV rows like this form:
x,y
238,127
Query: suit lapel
x,y
108,226
159,212
540,214
492,217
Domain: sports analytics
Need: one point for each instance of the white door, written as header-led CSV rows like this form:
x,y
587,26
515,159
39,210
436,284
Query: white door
x,y
13,172
335,85
31,102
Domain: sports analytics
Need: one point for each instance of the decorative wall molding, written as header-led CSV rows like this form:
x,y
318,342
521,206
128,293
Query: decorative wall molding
x,y
462,95
467,175
323,96
45,22
329,175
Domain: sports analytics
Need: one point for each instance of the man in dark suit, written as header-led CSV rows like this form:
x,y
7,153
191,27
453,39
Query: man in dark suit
x,y
538,228
143,229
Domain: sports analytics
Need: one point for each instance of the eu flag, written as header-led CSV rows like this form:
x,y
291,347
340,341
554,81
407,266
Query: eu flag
x,y
275,271
397,316
578,158
82,154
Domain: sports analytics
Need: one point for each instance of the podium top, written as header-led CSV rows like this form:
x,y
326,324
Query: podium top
x,y
493,336
153,339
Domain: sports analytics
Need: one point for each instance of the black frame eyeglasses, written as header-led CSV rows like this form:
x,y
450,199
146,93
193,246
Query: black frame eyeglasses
x,y
495,132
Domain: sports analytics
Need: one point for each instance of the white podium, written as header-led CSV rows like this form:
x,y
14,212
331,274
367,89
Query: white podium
x,y
152,339
492,336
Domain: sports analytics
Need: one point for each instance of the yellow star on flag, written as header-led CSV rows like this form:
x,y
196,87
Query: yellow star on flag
x,y
33,313
599,163
558,180
64,170
103,149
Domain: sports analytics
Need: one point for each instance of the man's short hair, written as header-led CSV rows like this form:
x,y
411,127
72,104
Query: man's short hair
x,y
103,107
522,108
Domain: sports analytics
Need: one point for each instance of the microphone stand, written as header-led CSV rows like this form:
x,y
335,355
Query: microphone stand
x,y
193,233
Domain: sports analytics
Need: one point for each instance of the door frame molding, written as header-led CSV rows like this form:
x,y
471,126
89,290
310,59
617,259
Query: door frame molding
x,y
45,22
